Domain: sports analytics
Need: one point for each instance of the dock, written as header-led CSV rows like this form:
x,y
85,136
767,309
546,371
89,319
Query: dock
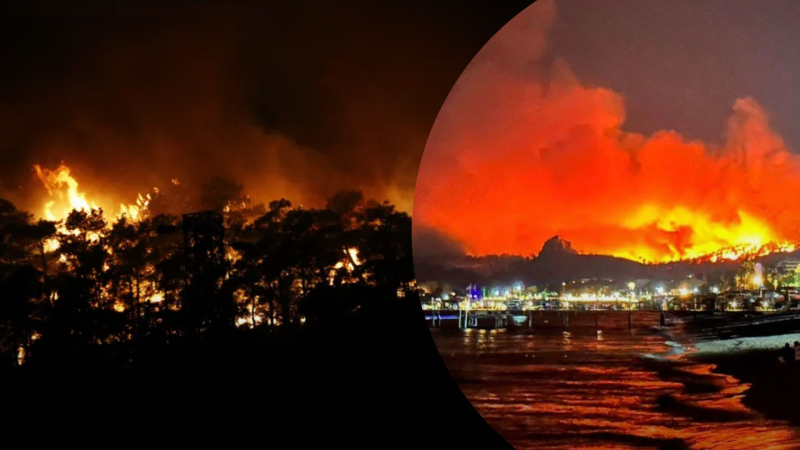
x,y
489,320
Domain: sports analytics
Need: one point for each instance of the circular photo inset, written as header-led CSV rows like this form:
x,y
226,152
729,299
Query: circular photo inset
x,y
606,226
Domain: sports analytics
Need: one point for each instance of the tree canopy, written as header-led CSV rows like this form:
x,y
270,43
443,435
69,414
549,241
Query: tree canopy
x,y
232,268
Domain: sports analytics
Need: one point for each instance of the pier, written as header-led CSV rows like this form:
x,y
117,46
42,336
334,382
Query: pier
x,y
607,319
566,310
564,314
484,319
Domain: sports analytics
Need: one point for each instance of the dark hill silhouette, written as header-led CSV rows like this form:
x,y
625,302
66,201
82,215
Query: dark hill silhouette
x,y
558,261
557,247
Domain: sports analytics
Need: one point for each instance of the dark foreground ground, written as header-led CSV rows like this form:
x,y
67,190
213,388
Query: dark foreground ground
x,y
775,387
376,381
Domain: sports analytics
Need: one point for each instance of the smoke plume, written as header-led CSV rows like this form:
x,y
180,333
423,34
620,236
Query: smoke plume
x,y
292,99
522,151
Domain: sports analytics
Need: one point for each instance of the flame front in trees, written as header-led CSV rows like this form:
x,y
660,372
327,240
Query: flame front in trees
x,y
65,196
353,253
349,263
135,211
63,190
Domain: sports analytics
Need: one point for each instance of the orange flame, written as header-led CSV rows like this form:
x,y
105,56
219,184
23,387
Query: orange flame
x,y
61,185
349,262
65,196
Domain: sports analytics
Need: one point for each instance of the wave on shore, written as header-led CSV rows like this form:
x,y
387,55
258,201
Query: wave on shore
x,y
744,344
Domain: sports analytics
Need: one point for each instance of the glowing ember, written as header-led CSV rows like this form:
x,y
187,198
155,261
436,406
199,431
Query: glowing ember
x,y
351,260
353,252
247,320
51,245
232,254
137,211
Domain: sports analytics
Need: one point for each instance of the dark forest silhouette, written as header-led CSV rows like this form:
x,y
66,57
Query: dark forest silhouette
x,y
230,292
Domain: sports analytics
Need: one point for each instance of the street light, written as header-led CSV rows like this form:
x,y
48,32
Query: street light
x,y
631,287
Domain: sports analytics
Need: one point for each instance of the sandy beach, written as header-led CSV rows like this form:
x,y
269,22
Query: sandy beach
x,y
774,386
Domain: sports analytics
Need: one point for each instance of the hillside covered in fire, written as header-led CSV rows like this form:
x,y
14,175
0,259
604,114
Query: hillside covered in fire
x,y
559,262
79,279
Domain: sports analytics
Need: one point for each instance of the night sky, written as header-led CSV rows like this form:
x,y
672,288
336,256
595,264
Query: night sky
x,y
681,64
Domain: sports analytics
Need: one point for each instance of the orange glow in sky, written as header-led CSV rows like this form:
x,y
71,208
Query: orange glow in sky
x,y
522,150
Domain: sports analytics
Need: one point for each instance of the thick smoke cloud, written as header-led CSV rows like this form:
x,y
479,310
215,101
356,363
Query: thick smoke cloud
x,y
292,99
134,102
430,243
522,150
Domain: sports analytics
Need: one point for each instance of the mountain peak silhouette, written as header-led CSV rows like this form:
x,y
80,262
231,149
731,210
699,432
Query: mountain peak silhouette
x,y
557,246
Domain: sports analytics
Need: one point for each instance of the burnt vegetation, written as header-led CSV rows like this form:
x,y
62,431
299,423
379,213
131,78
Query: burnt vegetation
x,y
225,297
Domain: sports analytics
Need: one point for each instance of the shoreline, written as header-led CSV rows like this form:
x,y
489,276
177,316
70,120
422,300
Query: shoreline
x,y
774,390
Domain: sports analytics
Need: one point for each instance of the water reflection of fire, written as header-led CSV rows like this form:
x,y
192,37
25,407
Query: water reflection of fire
x,y
563,390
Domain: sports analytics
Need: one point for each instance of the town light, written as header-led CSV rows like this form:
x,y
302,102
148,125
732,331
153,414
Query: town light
x,y
631,285
715,290
660,290
758,280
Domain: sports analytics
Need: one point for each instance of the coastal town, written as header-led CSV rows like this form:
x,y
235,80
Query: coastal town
x,y
755,288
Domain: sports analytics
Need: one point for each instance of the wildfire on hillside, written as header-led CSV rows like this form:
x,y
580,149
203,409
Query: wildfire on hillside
x,y
524,150
65,196
744,252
